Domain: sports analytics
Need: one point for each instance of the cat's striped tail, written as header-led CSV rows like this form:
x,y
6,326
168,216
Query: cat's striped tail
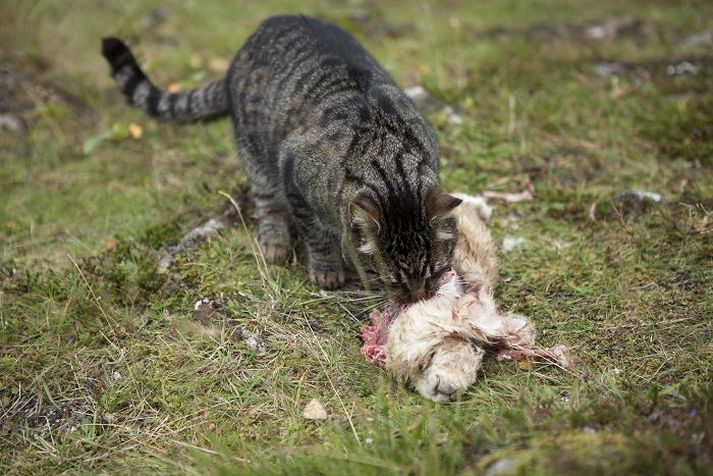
x,y
200,104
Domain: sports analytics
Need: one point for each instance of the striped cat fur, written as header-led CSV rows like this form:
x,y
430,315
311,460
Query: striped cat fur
x,y
333,149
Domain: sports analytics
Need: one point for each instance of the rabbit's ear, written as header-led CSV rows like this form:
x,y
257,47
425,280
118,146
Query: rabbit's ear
x,y
479,351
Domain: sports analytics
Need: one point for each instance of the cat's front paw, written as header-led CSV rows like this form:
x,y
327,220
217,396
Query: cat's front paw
x,y
327,278
274,252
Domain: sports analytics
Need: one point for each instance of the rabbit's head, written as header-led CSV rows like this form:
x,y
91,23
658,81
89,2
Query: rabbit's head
x,y
430,345
452,368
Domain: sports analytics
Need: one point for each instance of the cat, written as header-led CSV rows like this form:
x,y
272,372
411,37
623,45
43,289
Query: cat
x,y
331,146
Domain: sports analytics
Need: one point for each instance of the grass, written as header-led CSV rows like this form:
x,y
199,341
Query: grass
x,y
103,368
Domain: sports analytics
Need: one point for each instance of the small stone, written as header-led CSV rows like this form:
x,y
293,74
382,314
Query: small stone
x,y
611,28
702,38
314,410
635,202
682,69
428,104
418,95
512,242
501,466
205,311
452,116
12,123
607,69
253,341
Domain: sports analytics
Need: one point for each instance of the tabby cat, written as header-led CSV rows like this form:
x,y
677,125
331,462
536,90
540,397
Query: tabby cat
x,y
330,145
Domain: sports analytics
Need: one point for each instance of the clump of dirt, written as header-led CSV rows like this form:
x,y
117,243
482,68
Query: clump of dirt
x,y
44,419
209,313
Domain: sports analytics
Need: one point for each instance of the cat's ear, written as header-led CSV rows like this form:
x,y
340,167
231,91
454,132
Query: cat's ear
x,y
364,213
439,204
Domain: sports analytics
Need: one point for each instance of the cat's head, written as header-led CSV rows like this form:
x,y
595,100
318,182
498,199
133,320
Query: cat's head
x,y
409,241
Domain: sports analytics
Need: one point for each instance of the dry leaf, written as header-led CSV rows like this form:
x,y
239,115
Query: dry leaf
x,y
111,244
524,364
136,131
173,87
218,65
314,411
196,62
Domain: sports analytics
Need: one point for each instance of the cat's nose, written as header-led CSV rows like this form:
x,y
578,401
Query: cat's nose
x,y
418,292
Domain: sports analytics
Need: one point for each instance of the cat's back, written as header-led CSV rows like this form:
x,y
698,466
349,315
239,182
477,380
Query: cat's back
x,y
297,59
308,83
288,39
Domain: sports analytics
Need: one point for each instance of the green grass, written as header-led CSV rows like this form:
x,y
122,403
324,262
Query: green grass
x,y
103,369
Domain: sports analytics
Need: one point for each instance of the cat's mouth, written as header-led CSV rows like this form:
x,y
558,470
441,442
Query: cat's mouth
x,y
405,298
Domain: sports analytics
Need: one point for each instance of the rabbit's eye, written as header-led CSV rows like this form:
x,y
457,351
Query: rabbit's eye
x,y
426,362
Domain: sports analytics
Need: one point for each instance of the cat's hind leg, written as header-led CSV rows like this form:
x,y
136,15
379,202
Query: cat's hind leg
x,y
271,208
323,251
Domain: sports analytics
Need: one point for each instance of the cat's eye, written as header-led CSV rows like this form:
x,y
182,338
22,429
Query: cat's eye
x,y
438,274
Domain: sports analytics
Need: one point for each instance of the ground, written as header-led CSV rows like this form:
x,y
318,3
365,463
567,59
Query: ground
x,y
105,368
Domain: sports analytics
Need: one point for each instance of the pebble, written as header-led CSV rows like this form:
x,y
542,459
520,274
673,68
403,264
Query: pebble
x,y
314,410
512,242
